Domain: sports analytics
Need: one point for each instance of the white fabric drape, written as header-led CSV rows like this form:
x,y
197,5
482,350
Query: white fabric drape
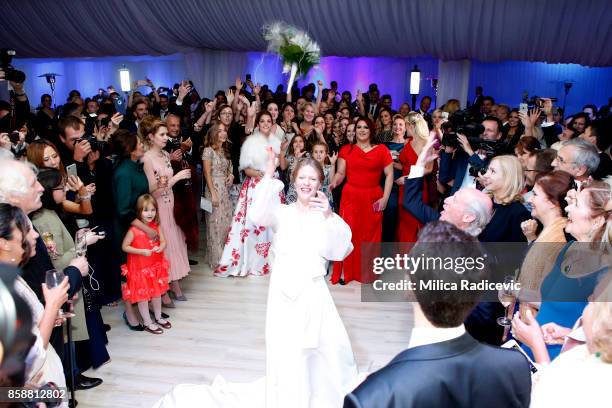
x,y
211,70
453,81
527,30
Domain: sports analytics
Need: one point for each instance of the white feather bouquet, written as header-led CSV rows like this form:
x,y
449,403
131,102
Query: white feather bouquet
x,y
298,51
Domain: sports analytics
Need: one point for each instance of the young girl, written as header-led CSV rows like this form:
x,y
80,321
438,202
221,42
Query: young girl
x,y
297,150
320,152
146,268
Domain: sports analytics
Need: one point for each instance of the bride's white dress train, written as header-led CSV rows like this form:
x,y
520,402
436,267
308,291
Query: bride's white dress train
x,y
309,359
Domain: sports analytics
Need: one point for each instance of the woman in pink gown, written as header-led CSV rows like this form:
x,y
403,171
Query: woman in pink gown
x,y
161,178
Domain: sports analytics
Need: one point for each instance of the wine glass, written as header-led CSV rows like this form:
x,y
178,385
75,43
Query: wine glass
x,y
185,166
80,241
54,278
47,238
507,297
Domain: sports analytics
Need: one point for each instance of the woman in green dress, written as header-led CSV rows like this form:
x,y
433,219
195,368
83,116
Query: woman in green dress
x,y
129,183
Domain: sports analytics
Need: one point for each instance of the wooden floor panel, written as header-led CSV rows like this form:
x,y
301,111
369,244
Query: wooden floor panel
x,y
220,330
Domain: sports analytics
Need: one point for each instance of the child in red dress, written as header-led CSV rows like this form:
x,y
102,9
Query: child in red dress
x,y
146,268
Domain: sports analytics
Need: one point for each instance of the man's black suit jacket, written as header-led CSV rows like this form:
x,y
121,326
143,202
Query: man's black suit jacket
x,y
457,373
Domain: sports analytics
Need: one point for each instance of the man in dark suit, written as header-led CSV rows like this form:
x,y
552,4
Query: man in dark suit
x,y
598,134
444,366
455,163
134,116
468,209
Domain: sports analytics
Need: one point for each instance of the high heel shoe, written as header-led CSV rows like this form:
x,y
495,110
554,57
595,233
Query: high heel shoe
x,y
173,295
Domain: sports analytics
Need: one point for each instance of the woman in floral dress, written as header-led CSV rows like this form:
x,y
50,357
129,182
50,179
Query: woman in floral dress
x,y
247,247
218,172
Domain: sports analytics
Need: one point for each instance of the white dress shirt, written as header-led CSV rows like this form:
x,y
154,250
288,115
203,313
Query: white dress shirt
x,y
422,336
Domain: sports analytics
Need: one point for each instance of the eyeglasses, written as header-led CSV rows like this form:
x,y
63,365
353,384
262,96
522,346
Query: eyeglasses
x,y
529,170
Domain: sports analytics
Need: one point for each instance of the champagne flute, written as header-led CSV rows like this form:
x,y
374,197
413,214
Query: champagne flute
x,y
185,166
47,238
54,278
507,297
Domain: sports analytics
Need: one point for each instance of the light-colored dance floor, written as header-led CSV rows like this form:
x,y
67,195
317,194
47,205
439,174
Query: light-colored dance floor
x,y
220,330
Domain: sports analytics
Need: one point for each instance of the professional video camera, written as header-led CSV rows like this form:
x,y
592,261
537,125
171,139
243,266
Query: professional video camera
x,y
10,73
462,122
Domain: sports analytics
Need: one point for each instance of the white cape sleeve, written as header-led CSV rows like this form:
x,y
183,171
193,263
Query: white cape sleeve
x,y
265,207
336,243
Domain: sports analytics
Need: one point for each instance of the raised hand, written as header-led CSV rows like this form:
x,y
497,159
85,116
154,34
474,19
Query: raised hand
x,y
465,144
528,331
74,183
176,155
251,110
184,89
320,84
359,96
229,94
256,90
238,85
534,115
210,106
57,296
428,153
115,120
529,228
333,158
186,144
320,203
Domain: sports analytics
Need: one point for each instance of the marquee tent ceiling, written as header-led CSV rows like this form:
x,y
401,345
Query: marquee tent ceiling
x,y
568,31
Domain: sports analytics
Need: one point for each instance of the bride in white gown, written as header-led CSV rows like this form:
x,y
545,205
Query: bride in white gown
x,y
309,360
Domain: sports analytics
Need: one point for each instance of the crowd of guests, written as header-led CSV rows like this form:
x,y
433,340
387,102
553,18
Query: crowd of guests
x,y
130,178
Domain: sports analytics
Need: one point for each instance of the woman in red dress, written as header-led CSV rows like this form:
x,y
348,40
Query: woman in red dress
x,y
408,227
363,200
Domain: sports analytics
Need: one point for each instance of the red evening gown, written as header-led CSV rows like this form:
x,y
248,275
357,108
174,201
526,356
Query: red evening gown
x,y
361,191
408,227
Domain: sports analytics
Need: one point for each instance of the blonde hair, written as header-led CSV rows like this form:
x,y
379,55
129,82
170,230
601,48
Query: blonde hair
x,y
142,202
149,125
421,130
601,332
512,174
600,205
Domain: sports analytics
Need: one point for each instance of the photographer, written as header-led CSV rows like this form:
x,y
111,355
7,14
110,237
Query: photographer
x,y
463,158
15,112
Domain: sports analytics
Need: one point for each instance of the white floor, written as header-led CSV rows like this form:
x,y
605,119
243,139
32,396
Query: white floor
x,y
220,330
